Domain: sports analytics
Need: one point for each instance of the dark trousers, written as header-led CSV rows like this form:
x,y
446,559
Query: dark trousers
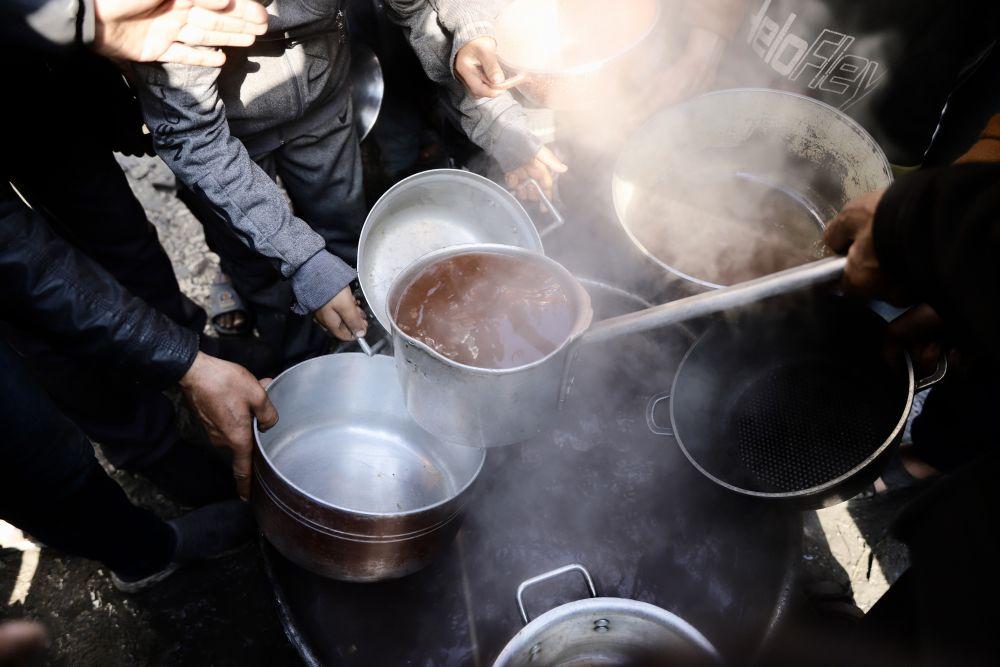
x,y
89,201
52,487
944,609
957,423
321,172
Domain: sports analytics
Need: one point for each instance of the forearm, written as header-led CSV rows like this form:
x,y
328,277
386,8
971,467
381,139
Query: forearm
x,y
191,134
499,125
937,233
47,23
56,292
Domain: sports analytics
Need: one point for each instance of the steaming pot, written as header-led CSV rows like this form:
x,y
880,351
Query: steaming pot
x,y
345,484
482,407
603,631
810,156
573,54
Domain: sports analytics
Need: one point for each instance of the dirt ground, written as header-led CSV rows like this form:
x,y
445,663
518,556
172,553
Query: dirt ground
x,y
222,613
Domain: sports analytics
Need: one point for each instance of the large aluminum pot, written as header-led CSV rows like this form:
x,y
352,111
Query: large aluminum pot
x,y
603,631
752,150
573,54
345,484
483,407
429,211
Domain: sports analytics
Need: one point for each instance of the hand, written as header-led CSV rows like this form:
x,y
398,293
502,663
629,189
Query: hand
x,y
921,332
342,316
851,233
20,640
226,398
478,68
171,31
541,169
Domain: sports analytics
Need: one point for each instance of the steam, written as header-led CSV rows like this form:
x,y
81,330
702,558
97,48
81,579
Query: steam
x,y
709,188
723,190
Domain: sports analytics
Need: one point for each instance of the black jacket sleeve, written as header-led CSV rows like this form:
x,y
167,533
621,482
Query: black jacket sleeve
x,y
47,23
51,290
937,233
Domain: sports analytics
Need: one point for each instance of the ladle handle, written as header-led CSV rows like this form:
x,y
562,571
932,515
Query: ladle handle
x,y
708,303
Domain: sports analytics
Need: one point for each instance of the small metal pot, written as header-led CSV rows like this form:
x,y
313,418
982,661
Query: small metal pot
x,y
783,147
345,484
540,40
482,407
599,631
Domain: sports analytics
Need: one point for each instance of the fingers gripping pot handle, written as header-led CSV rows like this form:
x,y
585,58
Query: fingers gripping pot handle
x,y
552,574
654,402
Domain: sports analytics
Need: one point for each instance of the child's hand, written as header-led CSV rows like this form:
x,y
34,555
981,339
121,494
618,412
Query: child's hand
x,y
342,316
478,68
543,169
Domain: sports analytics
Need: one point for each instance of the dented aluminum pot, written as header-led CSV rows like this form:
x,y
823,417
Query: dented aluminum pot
x,y
575,54
345,484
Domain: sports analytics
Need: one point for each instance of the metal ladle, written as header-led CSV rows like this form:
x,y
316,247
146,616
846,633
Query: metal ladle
x,y
742,294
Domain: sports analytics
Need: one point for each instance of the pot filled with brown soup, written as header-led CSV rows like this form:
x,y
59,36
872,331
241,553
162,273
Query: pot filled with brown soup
x,y
479,333
737,184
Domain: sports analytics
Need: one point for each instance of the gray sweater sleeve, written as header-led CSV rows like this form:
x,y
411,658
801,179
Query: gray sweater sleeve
x,y
47,23
499,126
465,20
187,119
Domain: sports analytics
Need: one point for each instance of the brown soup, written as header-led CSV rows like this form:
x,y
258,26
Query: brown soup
x,y
726,231
486,310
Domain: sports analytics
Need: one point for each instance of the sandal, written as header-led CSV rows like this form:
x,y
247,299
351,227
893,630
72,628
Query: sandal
x,y
224,300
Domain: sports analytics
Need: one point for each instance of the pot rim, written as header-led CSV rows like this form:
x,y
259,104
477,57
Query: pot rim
x,y
584,68
430,175
528,634
337,508
814,491
584,318
701,282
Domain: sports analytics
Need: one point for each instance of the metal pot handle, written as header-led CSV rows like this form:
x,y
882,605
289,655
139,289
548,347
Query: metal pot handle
x,y
558,218
525,585
939,373
651,417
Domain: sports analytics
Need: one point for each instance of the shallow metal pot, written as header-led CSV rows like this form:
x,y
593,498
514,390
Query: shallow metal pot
x,y
483,407
429,211
809,155
540,40
346,485
603,631
795,402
